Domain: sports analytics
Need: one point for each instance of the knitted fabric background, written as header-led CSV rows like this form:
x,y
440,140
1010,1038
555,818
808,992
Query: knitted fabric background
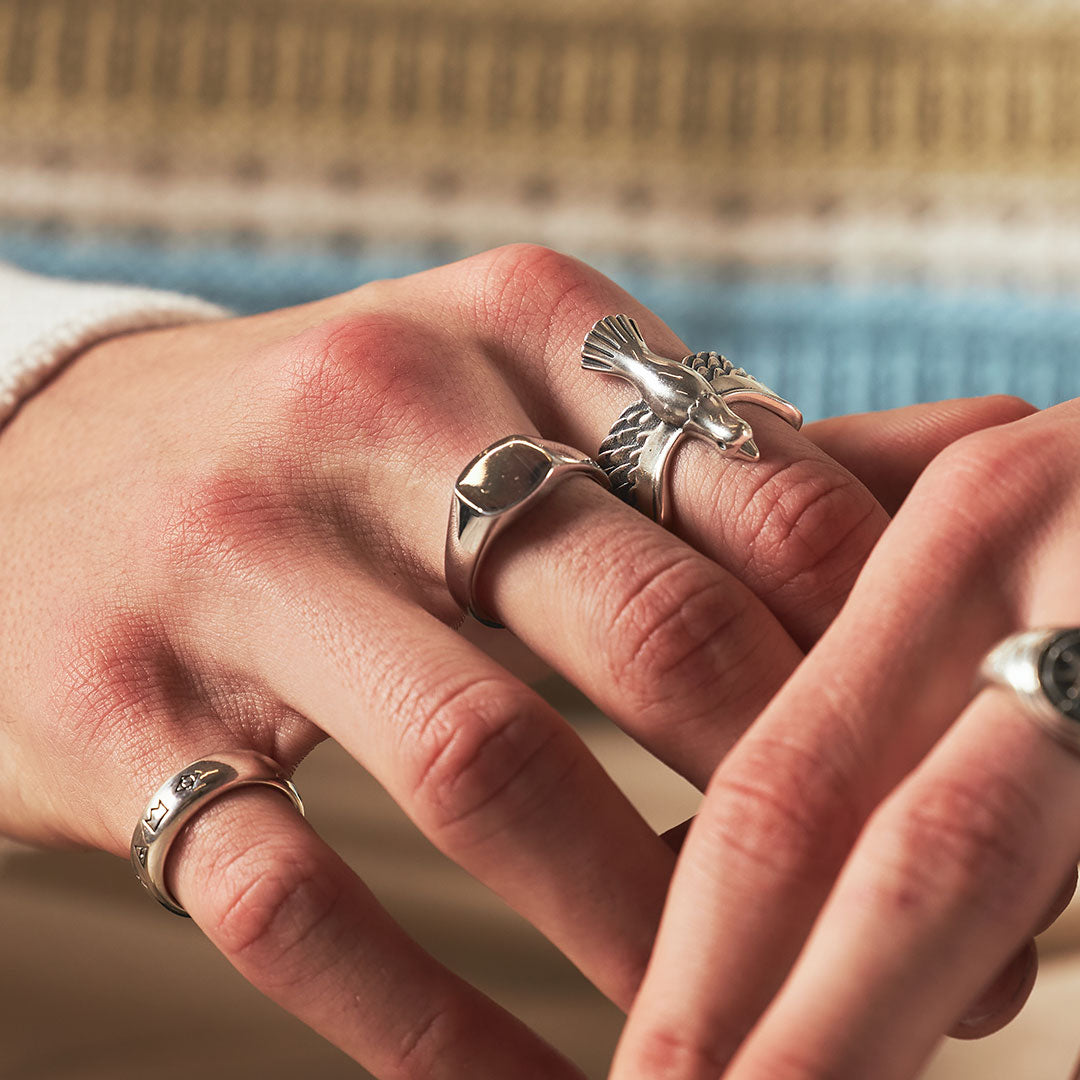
x,y
866,203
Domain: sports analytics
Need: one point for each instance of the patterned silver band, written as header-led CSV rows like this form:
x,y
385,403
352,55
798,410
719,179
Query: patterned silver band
x,y
679,398
1042,669
174,804
493,490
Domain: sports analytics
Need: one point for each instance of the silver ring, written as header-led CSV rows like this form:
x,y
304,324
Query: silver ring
x,y
1042,669
174,804
687,397
493,490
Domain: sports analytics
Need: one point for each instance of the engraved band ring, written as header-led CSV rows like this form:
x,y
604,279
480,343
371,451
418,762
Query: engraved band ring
x,y
180,797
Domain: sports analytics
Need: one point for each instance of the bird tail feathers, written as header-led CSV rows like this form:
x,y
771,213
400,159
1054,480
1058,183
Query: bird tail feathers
x,y
612,339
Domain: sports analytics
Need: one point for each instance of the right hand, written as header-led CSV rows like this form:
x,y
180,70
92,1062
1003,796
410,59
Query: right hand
x,y
230,535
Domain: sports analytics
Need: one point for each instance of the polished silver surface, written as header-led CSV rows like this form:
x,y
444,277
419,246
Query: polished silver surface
x,y
493,490
174,804
688,397
1042,669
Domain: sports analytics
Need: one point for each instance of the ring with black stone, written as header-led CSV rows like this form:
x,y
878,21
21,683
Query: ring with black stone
x,y
1041,668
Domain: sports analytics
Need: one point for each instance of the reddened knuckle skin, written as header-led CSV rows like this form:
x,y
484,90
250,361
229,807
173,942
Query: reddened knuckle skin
x,y
789,1063
989,470
107,668
519,278
485,757
350,378
964,843
223,520
982,496
666,1053
785,808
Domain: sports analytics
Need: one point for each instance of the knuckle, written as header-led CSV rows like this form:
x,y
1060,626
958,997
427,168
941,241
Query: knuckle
x,y
520,280
1006,408
224,520
444,1033
670,1053
268,904
354,377
964,843
107,672
983,487
663,619
486,756
786,1062
785,808
811,527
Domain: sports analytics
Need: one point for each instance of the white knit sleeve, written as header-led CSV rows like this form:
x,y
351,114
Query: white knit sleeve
x,y
44,323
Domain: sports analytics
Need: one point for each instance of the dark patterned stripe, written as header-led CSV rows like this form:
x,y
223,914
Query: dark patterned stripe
x,y
991,91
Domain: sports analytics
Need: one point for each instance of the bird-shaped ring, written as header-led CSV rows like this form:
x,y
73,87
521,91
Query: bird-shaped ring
x,y
687,397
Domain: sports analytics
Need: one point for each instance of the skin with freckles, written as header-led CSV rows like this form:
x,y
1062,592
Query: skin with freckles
x,y
230,535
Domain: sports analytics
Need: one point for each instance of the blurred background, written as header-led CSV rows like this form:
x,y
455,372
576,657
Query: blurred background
x,y
865,202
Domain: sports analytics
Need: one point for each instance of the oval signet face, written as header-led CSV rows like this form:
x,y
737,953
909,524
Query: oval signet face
x,y
504,475
1059,673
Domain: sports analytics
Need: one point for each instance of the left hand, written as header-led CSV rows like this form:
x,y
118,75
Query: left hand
x,y
878,849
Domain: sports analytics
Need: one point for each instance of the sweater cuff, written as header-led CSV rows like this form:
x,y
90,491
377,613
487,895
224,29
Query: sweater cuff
x,y
45,322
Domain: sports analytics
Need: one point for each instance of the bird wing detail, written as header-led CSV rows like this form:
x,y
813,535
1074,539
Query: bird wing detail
x,y
637,431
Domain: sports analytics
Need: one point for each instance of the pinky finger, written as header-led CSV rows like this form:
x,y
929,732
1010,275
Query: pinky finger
x,y
299,925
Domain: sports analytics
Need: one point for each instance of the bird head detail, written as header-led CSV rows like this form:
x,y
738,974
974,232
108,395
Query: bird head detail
x,y
711,419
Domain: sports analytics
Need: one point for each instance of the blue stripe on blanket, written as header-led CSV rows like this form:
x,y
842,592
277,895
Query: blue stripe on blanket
x,y
831,349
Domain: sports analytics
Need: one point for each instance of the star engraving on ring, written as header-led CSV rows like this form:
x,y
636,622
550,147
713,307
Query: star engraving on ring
x,y
155,815
188,781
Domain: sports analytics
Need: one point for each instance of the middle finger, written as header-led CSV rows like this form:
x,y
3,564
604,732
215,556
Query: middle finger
x,y
795,526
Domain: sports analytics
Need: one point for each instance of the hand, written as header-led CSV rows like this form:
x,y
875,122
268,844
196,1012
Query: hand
x,y
878,850
230,536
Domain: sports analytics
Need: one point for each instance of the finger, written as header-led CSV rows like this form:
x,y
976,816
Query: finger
x,y
786,806
888,450
671,646
654,631
1002,1000
1060,902
489,771
295,921
953,871
794,526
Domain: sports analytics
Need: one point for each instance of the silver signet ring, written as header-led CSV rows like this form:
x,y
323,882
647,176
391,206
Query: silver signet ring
x,y
496,488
